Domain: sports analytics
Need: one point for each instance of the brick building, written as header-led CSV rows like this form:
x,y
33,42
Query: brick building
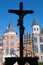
x,y
32,46
28,46
10,43
36,47
37,40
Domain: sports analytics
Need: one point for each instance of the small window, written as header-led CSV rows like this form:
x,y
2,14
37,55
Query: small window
x,y
7,50
37,29
41,48
34,29
11,50
12,37
35,39
41,39
35,48
12,43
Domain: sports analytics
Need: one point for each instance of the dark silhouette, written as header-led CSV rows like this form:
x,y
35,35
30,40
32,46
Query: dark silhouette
x,y
21,60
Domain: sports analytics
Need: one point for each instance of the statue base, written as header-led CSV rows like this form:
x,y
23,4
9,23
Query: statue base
x,y
22,61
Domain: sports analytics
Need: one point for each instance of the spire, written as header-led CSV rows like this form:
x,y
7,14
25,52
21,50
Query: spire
x,y
10,28
35,22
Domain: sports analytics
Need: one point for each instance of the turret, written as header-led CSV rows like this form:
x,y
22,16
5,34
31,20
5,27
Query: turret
x,y
35,27
10,29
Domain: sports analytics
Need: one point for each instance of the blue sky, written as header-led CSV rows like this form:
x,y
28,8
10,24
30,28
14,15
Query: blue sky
x,y
6,18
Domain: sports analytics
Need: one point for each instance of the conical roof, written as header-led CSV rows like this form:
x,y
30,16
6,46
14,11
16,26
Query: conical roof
x,y
10,28
35,22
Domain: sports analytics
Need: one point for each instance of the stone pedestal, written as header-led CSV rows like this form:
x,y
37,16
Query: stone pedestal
x,y
22,61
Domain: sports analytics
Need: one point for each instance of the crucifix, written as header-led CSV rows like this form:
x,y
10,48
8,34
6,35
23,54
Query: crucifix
x,y
21,60
21,13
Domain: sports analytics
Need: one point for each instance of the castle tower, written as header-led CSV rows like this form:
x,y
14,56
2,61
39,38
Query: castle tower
x,y
10,42
36,38
35,27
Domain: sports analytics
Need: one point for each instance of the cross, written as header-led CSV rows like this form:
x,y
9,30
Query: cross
x,y
21,13
21,60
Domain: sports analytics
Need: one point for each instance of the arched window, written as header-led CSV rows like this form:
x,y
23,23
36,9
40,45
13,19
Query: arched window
x,y
37,29
11,50
34,29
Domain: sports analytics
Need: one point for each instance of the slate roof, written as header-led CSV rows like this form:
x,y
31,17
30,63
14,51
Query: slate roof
x,y
10,28
35,22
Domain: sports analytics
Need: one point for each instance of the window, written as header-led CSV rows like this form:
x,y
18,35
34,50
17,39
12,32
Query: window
x,y
41,58
34,29
7,51
12,43
41,39
0,44
11,50
12,37
7,44
41,48
35,39
36,49
37,29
